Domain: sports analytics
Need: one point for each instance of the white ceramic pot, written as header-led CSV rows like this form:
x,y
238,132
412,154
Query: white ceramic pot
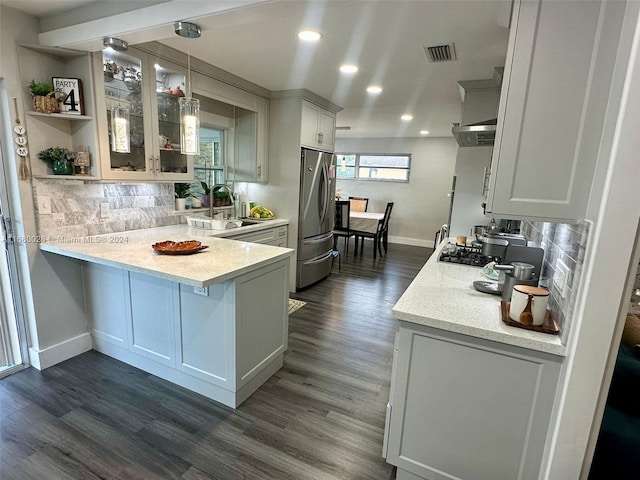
x,y
181,203
528,304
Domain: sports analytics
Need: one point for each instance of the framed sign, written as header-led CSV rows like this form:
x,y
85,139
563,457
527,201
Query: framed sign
x,y
69,95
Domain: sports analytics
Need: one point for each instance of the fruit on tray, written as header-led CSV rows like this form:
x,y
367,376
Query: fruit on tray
x,y
260,212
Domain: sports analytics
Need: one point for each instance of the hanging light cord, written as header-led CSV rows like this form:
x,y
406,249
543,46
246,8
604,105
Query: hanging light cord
x,y
188,72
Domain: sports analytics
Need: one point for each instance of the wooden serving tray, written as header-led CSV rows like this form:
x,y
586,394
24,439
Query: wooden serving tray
x,y
548,326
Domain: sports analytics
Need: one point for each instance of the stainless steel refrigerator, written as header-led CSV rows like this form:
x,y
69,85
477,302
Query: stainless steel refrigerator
x,y
315,222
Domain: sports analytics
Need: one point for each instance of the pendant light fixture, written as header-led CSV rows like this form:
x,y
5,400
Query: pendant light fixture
x,y
189,107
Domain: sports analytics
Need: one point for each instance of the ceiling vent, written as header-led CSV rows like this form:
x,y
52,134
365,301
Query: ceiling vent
x,y
441,53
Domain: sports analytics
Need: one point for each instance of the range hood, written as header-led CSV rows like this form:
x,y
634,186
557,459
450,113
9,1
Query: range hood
x,y
479,134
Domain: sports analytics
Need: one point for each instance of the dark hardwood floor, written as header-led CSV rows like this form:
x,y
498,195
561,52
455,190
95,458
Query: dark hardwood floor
x,y
319,417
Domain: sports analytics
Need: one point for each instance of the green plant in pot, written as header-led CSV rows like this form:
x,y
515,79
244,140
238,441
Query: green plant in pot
x,y
43,94
206,196
60,159
182,191
221,198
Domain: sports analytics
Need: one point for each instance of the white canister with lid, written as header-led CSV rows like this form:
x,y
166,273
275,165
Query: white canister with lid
x,y
528,304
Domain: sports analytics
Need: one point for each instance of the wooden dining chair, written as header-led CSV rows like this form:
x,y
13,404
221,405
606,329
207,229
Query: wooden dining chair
x,y
341,226
359,204
380,237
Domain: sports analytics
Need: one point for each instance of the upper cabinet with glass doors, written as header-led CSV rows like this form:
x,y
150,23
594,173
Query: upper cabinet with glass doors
x,y
139,126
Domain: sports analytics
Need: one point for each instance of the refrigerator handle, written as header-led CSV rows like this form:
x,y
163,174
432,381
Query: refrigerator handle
x,y
325,192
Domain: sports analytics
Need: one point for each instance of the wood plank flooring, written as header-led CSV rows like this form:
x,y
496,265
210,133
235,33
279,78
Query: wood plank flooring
x,y
320,417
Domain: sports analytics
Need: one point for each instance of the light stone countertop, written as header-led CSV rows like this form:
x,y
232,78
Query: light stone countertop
x,y
131,250
442,296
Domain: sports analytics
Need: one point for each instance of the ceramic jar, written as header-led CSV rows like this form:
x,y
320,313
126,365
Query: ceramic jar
x,y
528,304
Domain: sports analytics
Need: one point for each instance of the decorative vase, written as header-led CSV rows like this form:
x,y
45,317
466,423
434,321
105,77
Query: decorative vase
x,y
181,203
46,103
62,167
205,200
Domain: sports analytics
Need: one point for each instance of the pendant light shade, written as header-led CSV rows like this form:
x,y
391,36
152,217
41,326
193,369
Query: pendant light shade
x,y
120,130
189,107
190,126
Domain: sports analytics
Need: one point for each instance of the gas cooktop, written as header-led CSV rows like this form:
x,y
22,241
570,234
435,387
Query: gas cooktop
x,y
465,255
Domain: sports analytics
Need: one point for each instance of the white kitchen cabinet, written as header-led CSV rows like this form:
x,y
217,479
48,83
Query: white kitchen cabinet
x,y
44,130
276,236
251,152
467,408
152,311
149,89
217,341
318,127
557,78
249,157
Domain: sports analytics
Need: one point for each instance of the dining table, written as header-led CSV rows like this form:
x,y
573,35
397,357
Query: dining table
x,y
366,222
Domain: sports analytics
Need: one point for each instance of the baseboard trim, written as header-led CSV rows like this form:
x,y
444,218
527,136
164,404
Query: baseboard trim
x,y
60,352
416,242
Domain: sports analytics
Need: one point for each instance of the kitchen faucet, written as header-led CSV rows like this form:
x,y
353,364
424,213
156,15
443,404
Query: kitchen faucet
x,y
215,188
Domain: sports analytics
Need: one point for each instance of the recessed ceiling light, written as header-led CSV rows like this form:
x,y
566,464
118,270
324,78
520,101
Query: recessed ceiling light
x,y
309,35
424,132
348,68
374,89
406,117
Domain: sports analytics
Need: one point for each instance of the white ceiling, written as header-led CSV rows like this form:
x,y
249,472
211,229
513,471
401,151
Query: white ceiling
x,y
385,38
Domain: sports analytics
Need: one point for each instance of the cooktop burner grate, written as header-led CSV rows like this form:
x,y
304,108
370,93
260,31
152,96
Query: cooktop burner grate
x,y
465,255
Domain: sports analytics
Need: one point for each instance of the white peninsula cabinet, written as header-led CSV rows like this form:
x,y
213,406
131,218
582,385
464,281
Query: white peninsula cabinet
x,y
215,322
557,82
466,408
318,127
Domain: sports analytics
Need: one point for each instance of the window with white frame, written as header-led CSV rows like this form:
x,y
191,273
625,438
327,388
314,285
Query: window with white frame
x,y
373,166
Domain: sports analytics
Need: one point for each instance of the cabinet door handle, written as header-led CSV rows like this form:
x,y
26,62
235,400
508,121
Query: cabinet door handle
x,y
319,138
158,165
259,170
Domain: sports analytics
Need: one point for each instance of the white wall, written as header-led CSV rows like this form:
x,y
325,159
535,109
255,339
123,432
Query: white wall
x,y
421,206
52,287
467,209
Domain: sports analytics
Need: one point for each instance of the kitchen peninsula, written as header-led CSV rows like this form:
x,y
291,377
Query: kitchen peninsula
x,y
215,322
462,381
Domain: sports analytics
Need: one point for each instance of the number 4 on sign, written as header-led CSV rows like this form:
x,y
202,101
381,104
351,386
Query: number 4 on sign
x,y
69,95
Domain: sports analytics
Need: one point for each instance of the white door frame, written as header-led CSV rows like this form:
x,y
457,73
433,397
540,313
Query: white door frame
x,y
12,318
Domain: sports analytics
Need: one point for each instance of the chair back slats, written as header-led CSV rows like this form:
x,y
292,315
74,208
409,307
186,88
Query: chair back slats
x,y
387,214
342,215
359,204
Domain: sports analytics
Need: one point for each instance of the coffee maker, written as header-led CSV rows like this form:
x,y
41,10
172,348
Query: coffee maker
x,y
522,265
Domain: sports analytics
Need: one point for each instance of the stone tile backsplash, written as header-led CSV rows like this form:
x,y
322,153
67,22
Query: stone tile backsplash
x,y
75,207
566,244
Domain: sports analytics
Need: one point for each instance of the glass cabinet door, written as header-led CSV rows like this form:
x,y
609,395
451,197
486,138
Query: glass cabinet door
x,y
169,88
123,89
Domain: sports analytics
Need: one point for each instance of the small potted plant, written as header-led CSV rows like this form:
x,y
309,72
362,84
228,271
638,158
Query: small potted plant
x,y
182,192
60,159
206,195
221,198
44,100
